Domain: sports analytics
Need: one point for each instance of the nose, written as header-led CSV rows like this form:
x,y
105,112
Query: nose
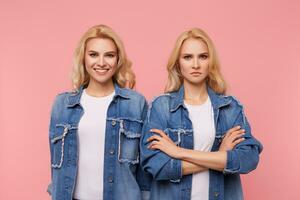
x,y
101,61
196,64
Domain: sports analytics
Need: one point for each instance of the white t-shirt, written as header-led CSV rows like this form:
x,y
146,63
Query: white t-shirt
x,y
202,118
91,138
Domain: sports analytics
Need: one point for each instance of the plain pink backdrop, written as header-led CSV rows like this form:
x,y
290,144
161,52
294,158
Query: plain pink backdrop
x,y
258,43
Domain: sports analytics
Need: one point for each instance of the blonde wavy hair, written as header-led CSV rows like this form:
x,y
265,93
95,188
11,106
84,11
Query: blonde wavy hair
x,y
123,76
214,80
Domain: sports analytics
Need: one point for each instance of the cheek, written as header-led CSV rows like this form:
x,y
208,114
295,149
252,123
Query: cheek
x,y
205,66
112,62
206,69
184,66
88,62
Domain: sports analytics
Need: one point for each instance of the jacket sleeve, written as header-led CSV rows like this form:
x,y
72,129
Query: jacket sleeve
x,y
157,163
51,124
144,179
245,156
55,112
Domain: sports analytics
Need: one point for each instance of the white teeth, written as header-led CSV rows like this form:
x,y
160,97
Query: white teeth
x,y
100,70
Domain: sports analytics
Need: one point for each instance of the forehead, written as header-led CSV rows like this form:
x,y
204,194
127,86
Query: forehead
x,y
100,45
192,45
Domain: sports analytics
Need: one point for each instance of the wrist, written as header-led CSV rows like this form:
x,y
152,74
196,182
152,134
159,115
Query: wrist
x,y
180,153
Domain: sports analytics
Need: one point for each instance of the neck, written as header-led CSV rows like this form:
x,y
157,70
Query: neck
x,y
97,89
195,93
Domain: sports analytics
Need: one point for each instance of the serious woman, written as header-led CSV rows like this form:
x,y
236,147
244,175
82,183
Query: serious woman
x,y
196,140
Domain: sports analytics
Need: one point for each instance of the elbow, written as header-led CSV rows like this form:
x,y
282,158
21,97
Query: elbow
x,y
241,162
156,175
171,170
249,164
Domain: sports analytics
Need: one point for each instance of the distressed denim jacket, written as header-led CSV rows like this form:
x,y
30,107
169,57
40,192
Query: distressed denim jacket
x,y
123,178
168,113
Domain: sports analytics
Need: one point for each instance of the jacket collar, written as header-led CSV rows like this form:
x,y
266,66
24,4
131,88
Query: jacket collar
x,y
74,97
217,100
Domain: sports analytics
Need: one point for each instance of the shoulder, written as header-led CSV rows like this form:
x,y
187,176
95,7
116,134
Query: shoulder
x,y
133,100
233,108
160,106
61,98
134,95
161,100
159,109
232,101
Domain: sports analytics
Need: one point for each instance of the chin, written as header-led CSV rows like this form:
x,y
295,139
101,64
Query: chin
x,y
196,81
102,80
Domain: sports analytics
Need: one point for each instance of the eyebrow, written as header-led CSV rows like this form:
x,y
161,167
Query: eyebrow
x,y
92,51
185,54
111,52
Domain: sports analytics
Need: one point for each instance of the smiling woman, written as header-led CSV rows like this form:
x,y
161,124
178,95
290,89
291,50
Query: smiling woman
x,y
95,131
100,59
100,45
100,63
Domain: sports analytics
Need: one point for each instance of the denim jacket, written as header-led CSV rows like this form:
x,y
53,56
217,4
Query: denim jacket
x,y
168,113
123,178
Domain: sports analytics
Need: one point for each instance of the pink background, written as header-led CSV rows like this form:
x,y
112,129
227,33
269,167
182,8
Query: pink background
x,y
258,43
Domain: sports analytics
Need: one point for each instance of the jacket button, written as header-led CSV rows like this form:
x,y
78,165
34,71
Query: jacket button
x,y
216,194
111,151
113,122
110,179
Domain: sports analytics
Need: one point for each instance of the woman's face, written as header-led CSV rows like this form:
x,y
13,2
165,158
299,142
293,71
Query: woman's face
x,y
100,59
193,61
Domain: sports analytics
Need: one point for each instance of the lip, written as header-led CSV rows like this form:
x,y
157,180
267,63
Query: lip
x,y
196,73
101,71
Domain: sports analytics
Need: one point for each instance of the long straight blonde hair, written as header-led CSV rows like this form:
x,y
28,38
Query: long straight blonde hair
x,y
214,80
123,76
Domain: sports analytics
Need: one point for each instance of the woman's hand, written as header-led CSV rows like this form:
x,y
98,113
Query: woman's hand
x,y
233,137
163,143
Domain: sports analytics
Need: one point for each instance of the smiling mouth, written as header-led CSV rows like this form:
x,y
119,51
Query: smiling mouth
x,y
101,70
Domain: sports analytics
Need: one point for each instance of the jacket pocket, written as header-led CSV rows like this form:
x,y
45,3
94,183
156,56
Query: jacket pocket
x,y
129,139
57,144
178,134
